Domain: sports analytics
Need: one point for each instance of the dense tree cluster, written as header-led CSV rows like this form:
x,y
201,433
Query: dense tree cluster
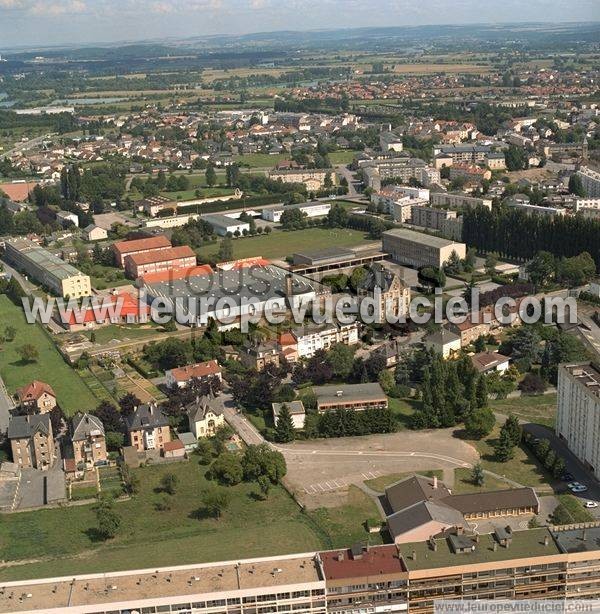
x,y
514,234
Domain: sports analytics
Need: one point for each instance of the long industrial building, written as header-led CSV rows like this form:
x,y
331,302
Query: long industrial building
x,y
544,563
47,269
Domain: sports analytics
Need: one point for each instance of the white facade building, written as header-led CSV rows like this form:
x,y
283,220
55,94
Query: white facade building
x,y
578,416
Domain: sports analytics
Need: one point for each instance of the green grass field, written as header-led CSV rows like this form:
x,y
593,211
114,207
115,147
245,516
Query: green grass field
x,y
73,394
280,244
204,193
539,409
464,484
403,409
523,468
64,539
104,334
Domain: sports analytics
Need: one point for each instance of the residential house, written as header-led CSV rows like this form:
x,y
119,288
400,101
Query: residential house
x,y
443,342
148,428
32,441
94,233
205,416
469,331
260,355
89,443
37,397
288,346
486,362
203,371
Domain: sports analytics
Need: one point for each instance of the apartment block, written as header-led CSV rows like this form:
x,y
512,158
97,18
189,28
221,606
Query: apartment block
x,y
148,428
578,413
315,337
458,201
47,269
590,180
560,563
313,179
416,249
430,217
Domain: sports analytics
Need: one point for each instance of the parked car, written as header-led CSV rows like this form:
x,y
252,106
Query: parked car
x,y
591,504
577,487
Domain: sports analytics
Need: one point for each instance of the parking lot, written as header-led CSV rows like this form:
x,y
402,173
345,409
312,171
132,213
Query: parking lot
x,y
329,466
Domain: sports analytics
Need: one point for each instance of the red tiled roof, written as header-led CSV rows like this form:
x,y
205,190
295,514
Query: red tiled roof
x,y
33,391
129,307
126,247
175,444
202,369
163,255
178,273
287,339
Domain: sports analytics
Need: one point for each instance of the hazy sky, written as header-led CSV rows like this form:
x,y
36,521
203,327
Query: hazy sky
x,y
43,22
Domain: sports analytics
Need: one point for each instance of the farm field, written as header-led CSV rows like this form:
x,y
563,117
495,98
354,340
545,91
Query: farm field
x,y
73,394
280,244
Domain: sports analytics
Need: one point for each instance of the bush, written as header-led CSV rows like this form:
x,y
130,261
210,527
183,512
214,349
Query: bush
x,y
532,384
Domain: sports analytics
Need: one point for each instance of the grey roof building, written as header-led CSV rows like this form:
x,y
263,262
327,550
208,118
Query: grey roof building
x,y
21,427
146,417
86,426
197,410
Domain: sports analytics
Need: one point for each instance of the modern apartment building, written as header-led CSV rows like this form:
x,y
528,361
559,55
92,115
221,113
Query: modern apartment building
x,y
313,337
458,201
578,413
430,217
47,269
590,180
181,257
416,249
401,169
465,153
557,563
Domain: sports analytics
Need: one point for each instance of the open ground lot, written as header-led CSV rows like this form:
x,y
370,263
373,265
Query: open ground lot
x,y
72,392
62,541
320,471
540,409
280,244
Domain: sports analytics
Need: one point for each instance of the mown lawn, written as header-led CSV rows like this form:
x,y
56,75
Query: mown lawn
x,y
280,244
539,409
73,394
464,484
104,334
64,538
522,468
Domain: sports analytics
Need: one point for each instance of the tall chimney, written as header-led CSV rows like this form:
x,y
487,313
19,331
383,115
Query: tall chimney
x,y
289,286
414,555
434,482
